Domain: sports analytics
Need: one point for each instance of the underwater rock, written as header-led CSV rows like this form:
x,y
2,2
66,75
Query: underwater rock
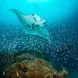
x,y
36,68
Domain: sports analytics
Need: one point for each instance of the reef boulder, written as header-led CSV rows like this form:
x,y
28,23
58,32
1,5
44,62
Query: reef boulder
x,y
37,68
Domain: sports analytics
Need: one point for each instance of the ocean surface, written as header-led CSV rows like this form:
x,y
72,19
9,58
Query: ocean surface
x,y
62,18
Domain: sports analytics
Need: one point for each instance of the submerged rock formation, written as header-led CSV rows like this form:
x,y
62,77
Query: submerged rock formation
x,y
34,68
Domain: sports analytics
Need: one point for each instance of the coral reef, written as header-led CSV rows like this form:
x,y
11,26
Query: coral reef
x,y
34,68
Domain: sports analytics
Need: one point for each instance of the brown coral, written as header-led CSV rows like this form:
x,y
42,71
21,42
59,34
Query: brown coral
x,y
37,68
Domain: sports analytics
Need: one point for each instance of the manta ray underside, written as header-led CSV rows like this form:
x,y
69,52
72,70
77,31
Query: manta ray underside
x,y
33,24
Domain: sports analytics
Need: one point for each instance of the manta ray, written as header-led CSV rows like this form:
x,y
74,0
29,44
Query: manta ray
x,y
33,24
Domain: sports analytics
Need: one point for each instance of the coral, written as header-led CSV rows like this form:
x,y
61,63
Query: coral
x,y
35,68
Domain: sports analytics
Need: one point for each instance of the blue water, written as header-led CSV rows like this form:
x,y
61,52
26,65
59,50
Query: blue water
x,y
62,17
